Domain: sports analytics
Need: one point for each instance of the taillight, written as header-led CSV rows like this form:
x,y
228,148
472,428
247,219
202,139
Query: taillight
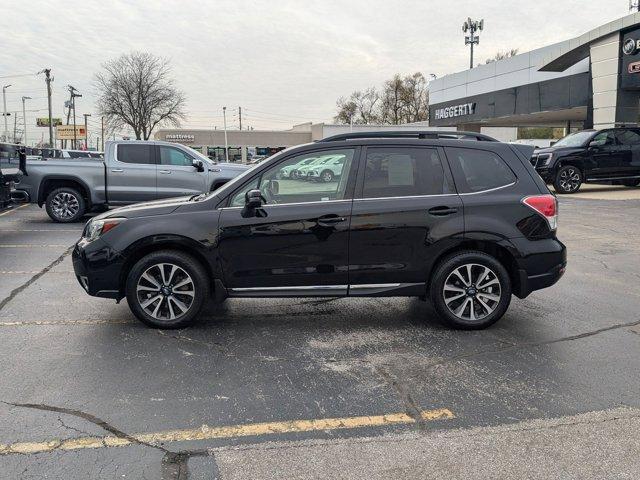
x,y
545,205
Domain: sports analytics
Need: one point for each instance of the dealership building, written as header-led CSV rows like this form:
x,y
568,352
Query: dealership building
x,y
592,81
244,144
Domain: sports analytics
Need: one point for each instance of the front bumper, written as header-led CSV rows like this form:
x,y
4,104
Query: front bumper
x,y
98,269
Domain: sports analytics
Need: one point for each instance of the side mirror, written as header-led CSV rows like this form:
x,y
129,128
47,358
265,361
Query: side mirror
x,y
199,166
594,145
253,200
274,187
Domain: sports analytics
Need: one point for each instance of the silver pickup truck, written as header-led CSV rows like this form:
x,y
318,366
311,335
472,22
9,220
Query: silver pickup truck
x,y
131,172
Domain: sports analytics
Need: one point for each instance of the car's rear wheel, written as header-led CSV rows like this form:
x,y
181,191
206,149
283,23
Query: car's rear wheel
x,y
470,290
632,182
65,205
326,176
167,289
568,179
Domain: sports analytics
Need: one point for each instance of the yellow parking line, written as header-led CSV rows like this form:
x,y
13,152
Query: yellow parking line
x,y
13,210
209,433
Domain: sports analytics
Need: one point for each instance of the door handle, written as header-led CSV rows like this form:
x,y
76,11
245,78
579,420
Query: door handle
x,y
328,220
117,170
442,211
165,172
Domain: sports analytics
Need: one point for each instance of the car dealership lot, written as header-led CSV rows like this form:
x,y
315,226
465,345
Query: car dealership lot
x,y
88,392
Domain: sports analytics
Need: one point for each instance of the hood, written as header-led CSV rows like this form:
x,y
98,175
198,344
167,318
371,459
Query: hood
x,y
558,150
146,209
240,167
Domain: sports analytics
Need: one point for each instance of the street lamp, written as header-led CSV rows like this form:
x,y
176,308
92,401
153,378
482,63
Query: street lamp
x,y
472,26
4,101
24,119
86,131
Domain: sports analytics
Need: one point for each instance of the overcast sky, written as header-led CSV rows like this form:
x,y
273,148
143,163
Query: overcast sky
x,y
283,61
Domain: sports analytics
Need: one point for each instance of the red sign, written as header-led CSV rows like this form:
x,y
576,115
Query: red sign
x,y
634,67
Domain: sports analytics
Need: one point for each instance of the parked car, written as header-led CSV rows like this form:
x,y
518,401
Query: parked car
x,y
591,156
328,170
464,223
132,172
291,171
303,172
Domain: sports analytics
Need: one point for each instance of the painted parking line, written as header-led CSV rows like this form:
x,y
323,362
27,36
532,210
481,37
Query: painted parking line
x,y
13,210
25,230
31,272
27,323
207,432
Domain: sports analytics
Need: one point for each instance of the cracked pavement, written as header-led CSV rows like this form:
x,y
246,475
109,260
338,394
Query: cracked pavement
x,y
552,390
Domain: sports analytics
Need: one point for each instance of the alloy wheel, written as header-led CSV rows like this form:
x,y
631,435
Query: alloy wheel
x,y
327,176
165,291
65,205
472,292
569,179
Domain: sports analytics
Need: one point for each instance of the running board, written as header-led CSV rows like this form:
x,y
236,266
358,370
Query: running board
x,y
612,178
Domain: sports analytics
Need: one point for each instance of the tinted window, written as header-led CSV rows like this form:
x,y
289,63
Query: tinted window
x,y
174,156
628,137
479,170
403,172
130,153
309,184
605,139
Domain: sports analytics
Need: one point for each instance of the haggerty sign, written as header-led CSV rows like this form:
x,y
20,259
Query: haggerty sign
x,y
456,111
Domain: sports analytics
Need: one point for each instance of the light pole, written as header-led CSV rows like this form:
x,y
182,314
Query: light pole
x,y
86,131
472,26
4,101
226,142
24,119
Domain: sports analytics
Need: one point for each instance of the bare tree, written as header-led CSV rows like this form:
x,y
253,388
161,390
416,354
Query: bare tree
x,y
392,101
359,108
137,90
415,98
502,55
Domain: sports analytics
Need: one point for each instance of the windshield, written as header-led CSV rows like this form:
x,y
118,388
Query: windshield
x,y
197,154
578,139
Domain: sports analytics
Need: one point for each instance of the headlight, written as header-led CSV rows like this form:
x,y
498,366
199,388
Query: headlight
x,y
96,228
544,159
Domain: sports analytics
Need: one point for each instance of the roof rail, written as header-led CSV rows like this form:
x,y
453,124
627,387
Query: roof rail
x,y
420,134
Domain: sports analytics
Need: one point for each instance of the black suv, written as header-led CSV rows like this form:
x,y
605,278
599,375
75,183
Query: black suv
x,y
457,218
591,156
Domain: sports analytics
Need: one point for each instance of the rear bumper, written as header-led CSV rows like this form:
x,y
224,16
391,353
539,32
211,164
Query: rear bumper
x,y
542,265
98,269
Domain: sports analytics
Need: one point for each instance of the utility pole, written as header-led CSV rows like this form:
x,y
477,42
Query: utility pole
x,y
240,116
73,91
102,133
15,126
24,119
472,26
86,131
48,79
4,101
226,142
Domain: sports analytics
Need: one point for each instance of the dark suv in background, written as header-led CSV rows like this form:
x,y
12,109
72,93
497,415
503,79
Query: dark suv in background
x,y
454,217
591,156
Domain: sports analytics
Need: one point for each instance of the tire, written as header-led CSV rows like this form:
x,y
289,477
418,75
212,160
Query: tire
x,y
632,182
326,176
467,312
65,205
171,309
568,179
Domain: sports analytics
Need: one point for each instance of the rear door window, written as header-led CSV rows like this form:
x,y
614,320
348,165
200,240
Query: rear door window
x,y
628,137
403,172
479,170
132,153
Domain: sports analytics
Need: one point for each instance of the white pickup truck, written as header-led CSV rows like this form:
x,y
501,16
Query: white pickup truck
x,y
131,172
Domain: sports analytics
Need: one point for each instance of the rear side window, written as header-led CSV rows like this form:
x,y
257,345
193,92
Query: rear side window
x,y
478,170
628,137
131,153
403,172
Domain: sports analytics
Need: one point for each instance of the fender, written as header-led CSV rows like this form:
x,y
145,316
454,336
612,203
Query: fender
x,y
71,178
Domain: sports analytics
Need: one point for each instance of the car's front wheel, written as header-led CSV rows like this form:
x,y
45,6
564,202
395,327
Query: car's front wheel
x,y
326,176
167,289
632,182
568,179
470,290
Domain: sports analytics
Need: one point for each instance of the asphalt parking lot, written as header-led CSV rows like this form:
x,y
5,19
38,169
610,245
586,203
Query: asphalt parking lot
x,y
324,388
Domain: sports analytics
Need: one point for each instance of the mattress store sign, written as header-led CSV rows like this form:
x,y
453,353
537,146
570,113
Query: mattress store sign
x,y
454,111
179,137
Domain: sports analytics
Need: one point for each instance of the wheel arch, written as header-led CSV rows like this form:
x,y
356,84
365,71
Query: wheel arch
x,y
51,182
505,254
156,243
